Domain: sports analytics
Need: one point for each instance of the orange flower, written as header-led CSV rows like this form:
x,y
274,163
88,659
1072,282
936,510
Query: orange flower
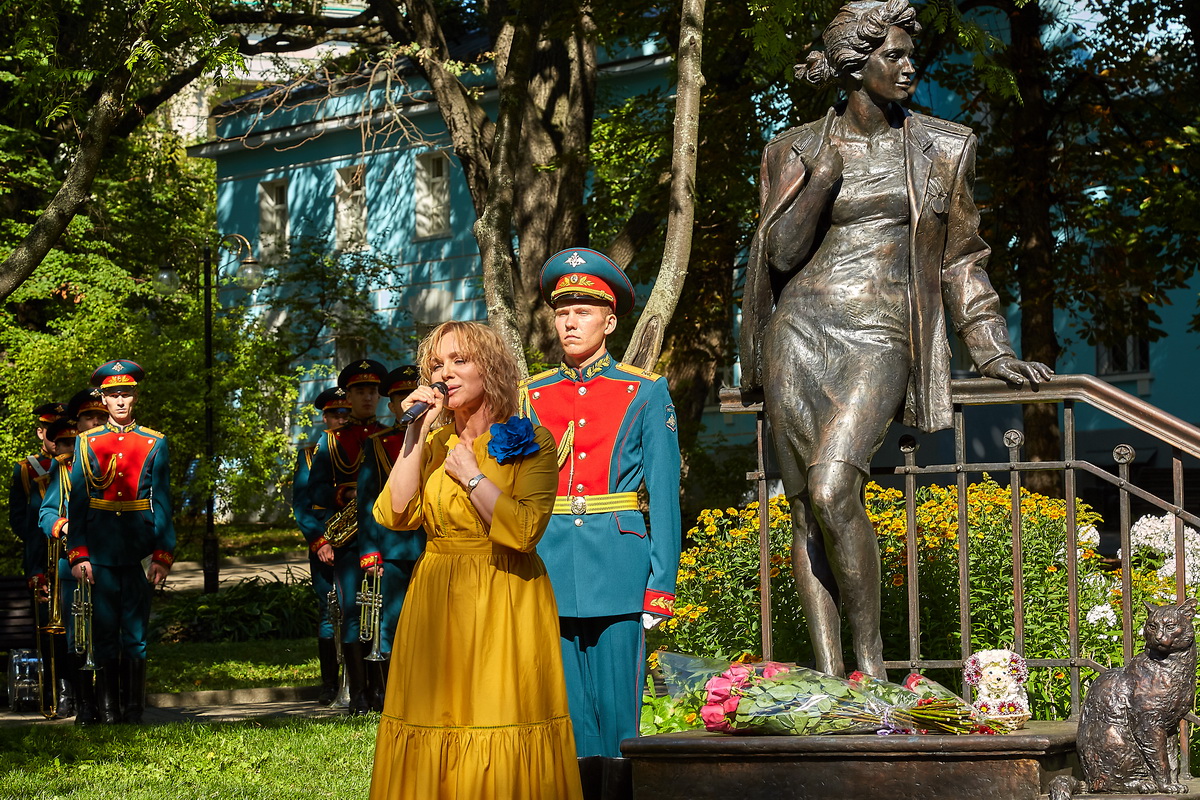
x,y
897,579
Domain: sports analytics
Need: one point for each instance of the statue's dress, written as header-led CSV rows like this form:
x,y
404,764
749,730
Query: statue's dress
x,y
837,350
476,705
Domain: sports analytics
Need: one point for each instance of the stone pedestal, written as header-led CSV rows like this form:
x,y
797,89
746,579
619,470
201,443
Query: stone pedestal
x,y
698,765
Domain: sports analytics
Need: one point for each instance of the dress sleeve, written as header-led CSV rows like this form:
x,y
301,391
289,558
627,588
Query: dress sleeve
x,y
520,518
412,516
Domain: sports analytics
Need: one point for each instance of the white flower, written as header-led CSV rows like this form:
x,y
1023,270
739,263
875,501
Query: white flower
x,y
1088,535
1102,613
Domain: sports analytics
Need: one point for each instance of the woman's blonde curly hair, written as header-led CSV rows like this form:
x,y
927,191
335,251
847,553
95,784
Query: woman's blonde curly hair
x,y
482,345
856,32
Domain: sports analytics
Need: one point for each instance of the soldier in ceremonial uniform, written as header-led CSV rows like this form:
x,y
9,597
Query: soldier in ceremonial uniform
x,y
119,513
334,406
32,472
616,429
395,553
50,508
332,486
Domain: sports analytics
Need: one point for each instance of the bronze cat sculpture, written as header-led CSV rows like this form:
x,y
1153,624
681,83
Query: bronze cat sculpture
x,y
1130,713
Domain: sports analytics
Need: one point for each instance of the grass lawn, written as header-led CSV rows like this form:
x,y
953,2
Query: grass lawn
x,y
273,759
199,666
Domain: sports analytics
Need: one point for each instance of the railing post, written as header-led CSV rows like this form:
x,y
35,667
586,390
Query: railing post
x,y
908,446
1123,454
1013,439
1070,490
764,538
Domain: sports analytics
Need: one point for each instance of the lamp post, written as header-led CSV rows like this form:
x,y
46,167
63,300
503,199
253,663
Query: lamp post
x,y
250,277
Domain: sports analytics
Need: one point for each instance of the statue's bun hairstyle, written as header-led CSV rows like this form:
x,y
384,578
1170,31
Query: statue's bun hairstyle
x,y
857,30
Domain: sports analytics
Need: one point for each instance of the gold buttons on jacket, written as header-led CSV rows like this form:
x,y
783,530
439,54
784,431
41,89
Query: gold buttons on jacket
x,y
582,422
578,522
630,388
537,395
582,390
582,456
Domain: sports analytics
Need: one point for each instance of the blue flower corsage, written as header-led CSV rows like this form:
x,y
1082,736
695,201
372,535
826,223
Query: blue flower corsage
x,y
512,439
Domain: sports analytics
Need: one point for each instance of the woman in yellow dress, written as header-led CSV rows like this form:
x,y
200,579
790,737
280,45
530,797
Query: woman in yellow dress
x,y
476,705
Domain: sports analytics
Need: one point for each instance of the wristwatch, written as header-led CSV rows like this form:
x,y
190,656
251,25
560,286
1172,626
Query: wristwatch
x,y
471,484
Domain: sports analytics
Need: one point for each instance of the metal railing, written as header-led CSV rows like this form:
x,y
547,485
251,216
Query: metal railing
x,y
1182,438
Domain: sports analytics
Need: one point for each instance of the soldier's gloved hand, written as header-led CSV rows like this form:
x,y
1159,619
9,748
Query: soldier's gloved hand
x,y
650,621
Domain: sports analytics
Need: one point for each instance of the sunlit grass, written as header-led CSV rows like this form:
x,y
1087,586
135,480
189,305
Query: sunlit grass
x,y
200,666
272,759
238,540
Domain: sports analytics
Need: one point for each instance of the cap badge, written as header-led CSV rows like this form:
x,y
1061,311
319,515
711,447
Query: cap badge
x,y
117,366
340,392
575,261
364,365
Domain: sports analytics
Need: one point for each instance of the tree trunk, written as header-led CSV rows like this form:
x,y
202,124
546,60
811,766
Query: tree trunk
x,y
553,167
493,229
1031,163
646,343
471,132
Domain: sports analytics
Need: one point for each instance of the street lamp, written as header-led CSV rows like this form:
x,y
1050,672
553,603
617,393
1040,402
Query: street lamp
x,y
167,281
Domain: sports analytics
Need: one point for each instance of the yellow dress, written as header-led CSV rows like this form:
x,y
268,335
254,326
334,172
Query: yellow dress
x,y
476,707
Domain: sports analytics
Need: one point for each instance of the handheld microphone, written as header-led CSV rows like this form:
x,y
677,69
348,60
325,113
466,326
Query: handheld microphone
x,y
417,410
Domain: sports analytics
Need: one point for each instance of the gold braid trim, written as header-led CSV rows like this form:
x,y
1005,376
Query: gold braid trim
x,y
106,479
568,442
346,467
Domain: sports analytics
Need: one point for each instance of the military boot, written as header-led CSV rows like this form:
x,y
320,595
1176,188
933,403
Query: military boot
x,y
86,712
379,671
327,658
356,675
108,691
133,683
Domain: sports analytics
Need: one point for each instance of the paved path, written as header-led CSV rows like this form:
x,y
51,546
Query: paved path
x,y
189,575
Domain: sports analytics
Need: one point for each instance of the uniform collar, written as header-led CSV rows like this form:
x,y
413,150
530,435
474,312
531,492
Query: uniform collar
x,y
112,426
356,421
586,373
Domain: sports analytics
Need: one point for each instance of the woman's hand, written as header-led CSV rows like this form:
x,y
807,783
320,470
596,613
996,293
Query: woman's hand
x,y
826,169
1016,371
461,463
424,394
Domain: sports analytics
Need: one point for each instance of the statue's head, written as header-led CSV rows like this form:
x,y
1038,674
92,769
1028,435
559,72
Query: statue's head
x,y
856,32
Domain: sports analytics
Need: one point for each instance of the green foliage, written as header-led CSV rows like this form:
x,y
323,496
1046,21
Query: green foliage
x,y
250,610
201,666
717,612
267,759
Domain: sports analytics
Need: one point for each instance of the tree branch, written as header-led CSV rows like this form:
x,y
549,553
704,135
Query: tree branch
x,y
75,188
646,343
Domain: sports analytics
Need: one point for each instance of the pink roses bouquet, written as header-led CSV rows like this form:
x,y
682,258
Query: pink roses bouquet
x,y
783,699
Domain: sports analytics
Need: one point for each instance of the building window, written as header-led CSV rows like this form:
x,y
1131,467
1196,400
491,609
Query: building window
x,y
432,195
351,208
273,230
1128,356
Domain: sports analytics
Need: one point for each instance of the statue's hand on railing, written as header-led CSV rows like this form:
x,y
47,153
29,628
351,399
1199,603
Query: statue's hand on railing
x,y
1014,370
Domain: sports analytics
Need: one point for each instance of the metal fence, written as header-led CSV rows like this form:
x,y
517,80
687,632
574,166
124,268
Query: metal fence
x,y
1181,438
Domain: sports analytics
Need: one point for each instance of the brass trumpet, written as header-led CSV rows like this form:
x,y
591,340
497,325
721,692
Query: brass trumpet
x,y
81,617
335,615
370,614
53,627
343,526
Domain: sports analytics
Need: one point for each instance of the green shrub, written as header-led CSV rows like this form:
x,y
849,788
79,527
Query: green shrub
x,y
717,605
252,609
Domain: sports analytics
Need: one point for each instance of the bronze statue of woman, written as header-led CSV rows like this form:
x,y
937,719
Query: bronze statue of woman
x,y
868,237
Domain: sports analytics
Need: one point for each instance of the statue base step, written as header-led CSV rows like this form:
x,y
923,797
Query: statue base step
x,y
699,765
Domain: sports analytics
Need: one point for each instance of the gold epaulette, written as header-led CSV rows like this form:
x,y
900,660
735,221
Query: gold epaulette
x,y
383,432
538,377
152,432
641,373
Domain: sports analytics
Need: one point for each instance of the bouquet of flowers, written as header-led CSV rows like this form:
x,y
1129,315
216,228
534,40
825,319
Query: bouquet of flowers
x,y
782,699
